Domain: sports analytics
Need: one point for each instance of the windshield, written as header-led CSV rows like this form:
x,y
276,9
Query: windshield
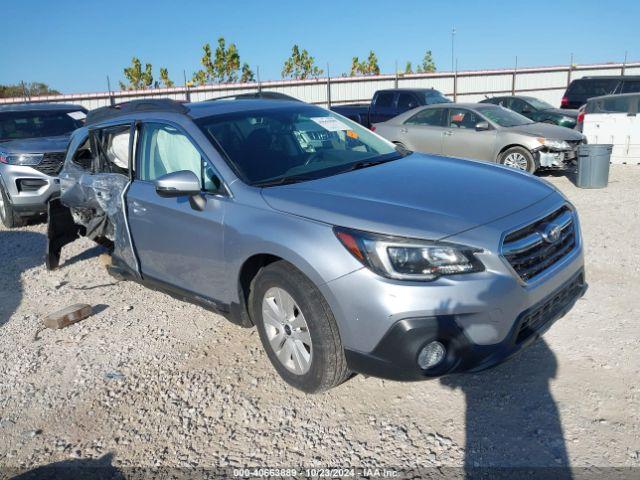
x,y
431,98
503,117
36,124
301,141
538,104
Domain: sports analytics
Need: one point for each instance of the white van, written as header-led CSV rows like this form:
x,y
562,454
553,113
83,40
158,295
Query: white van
x,y
614,119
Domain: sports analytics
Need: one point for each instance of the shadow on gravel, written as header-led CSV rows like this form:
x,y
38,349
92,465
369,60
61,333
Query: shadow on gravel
x,y
100,469
85,255
511,418
19,251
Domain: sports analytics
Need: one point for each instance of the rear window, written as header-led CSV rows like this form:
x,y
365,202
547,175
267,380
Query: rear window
x,y
631,86
615,104
593,87
36,124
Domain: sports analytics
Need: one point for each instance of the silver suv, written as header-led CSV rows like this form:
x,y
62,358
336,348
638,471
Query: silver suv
x,y
346,254
33,142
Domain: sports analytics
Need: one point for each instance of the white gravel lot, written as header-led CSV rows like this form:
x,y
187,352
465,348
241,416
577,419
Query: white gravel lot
x,y
151,381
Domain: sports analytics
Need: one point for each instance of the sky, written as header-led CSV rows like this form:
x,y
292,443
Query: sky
x,y
74,45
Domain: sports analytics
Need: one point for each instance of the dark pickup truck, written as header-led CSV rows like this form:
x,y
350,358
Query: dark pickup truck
x,y
387,104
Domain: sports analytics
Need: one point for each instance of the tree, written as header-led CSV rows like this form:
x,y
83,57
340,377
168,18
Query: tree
x,y
247,74
138,79
33,89
300,65
428,64
220,67
164,78
408,68
365,67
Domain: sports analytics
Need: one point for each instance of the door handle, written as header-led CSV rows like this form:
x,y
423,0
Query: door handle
x,y
403,130
447,133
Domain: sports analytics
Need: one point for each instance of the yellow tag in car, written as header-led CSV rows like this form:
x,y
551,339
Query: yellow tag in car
x,y
352,134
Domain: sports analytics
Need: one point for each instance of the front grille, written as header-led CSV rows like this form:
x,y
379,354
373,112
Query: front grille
x,y
533,249
549,309
51,163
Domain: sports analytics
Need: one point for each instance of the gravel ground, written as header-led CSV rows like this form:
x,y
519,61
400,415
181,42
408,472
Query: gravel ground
x,y
151,381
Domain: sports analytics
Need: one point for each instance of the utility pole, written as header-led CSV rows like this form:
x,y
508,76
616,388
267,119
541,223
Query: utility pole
x,y
187,93
624,64
396,76
513,80
112,101
328,86
258,77
453,36
570,69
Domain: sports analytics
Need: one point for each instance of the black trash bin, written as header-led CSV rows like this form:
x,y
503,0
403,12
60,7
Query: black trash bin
x,y
593,166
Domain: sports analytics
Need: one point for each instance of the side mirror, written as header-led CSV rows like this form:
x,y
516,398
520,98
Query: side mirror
x,y
177,184
482,126
527,110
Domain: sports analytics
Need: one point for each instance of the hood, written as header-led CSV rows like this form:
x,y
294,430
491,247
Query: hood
x,y
548,131
36,145
420,196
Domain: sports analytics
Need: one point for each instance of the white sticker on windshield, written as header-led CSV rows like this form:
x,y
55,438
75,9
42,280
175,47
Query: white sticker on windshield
x,y
330,123
79,115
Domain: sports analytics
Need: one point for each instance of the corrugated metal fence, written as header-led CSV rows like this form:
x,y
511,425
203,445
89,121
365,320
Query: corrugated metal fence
x,y
546,83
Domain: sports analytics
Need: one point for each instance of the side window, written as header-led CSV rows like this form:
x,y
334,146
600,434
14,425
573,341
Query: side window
x,y
84,156
406,102
631,86
164,149
430,116
517,105
461,118
111,147
384,100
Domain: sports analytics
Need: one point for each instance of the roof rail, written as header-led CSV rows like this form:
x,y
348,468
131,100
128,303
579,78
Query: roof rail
x,y
152,105
268,95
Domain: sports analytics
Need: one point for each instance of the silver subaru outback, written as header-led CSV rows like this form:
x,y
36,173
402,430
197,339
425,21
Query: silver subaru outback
x,y
345,253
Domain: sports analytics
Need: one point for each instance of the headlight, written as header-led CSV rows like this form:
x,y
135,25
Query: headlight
x,y
554,144
408,259
25,159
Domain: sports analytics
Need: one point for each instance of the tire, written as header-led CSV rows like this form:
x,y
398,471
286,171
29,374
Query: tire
x,y
519,158
324,366
8,216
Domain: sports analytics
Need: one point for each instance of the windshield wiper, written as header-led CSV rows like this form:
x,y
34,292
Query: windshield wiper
x,y
286,180
369,163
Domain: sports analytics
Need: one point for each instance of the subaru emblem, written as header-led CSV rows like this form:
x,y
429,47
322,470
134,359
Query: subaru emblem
x,y
551,233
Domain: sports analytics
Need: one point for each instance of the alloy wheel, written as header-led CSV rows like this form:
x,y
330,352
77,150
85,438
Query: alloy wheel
x,y
287,330
516,160
3,212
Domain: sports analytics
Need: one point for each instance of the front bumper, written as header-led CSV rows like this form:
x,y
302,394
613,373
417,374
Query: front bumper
x,y
478,312
557,160
29,190
395,357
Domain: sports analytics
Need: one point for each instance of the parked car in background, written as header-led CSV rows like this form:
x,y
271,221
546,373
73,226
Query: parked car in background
x,y
582,89
33,141
613,119
346,254
536,110
387,104
486,132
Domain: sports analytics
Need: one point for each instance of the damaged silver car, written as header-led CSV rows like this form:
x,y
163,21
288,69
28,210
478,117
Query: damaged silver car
x,y
479,131
346,253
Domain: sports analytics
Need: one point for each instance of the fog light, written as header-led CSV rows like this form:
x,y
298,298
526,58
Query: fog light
x,y
431,355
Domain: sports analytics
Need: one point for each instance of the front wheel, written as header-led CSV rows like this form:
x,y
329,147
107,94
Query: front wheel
x,y
519,158
297,328
7,215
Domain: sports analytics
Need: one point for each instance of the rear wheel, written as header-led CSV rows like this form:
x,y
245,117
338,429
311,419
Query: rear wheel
x,y
519,158
8,215
297,328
